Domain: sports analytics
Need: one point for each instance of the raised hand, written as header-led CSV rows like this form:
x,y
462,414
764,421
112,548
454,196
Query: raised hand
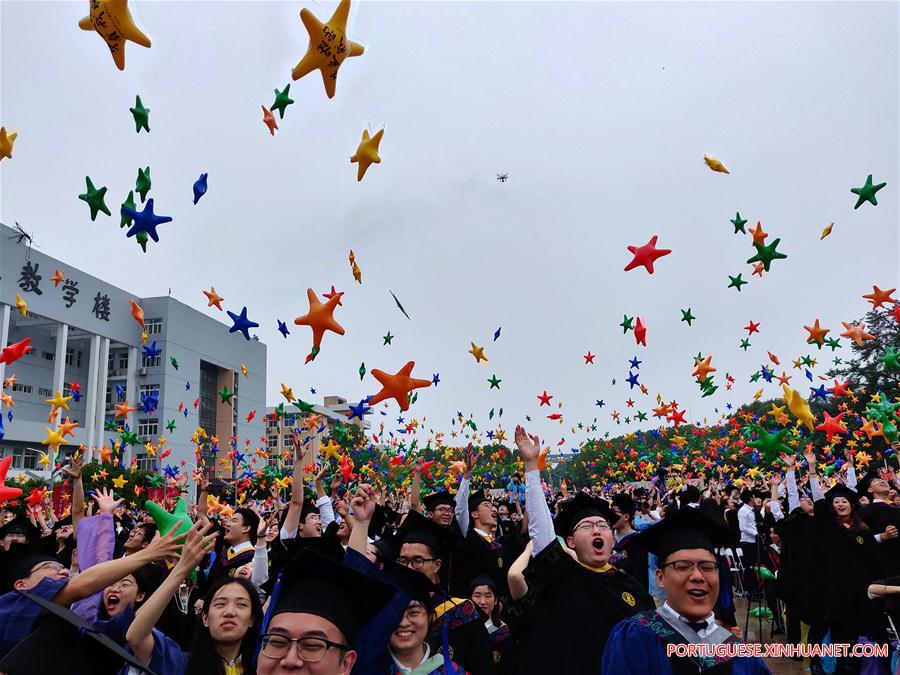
x,y
471,457
419,465
166,546
197,544
789,461
106,500
529,446
810,456
73,468
363,502
320,472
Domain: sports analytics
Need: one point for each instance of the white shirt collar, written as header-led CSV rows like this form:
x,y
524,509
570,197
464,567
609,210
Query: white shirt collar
x,y
404,669
710,620
240,548
482,533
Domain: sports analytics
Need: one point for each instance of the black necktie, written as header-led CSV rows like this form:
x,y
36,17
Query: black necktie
x,y
697,627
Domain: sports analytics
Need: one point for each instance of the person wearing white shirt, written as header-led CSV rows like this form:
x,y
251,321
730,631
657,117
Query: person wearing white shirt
x,y
747,525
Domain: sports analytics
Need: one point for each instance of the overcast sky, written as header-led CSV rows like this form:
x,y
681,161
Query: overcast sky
x,y
600,113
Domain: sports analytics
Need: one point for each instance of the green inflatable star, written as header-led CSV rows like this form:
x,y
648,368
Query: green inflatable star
x,y
387,338
834,343
94,199
495,383
282,100
745,344
174,362
766,254
362,370
129,203
170,425
129,437
226,395
866,193
626,324
771,445
687,316
142,184
304,406
736,282
141,116
739,223
166,521
891,359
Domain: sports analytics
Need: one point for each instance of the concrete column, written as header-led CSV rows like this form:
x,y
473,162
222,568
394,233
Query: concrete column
x,y
90,422
59,362
4,336
131,387
99,411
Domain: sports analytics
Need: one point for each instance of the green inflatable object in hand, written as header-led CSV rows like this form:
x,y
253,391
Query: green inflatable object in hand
x,y
165,521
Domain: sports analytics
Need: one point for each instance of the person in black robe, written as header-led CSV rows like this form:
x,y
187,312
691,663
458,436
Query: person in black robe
x,y
574,595
631,556
883,519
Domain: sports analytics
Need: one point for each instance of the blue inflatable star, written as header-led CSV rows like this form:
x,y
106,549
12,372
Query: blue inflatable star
x,y
821,392
120,393
149,402
600,403
359,410
151,352
282,328
632,380
767,374
436,379
187,386
241,323
635,363
145,221
199,187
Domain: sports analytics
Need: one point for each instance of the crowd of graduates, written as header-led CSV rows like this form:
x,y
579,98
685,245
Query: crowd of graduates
x,y
521,579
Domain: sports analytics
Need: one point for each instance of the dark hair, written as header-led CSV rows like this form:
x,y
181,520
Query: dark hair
x,y
250,518
856,523
204,660
149,531
746,496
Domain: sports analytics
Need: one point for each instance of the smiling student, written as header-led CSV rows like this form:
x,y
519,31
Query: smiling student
x,y
685,548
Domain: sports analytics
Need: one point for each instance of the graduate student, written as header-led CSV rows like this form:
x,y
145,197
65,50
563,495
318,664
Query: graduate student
x,y
572,604
685,548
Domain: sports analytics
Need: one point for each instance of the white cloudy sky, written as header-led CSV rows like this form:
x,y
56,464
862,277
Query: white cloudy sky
x,y
600,112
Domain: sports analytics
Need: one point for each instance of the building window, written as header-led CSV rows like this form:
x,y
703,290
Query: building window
x,y
25,458
44,392
145,462
123,360
108,396
22,388
148,389
148,427
47,356
153,326
110,362
287,440
67,390
273,442
150,361
70,357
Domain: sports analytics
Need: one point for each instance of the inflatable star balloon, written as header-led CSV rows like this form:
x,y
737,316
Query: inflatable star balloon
x,y
320,318
856,333
715,164
646,255
6,143
112,20
798,406
397,386
367,152
165,521
7,493
328,46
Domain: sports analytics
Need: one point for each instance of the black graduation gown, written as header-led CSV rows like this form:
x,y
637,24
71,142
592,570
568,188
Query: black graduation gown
x,y
848,561
797,580
878,516
563,622
474,556
635,561
468,639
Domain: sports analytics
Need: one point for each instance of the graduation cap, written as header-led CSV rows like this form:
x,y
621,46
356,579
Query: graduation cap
x,y
414,584
577,509
19,525
63,634
313,584
327,547
476,499
309,506
684,529
20,560
417,529
436,499
483,579
866,482
841,490
624,503
387,548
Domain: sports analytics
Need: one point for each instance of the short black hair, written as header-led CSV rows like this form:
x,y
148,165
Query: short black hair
x,y
149,531
250,518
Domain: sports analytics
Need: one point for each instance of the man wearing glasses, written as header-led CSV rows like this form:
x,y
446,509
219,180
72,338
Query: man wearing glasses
x,y
685,546
575,596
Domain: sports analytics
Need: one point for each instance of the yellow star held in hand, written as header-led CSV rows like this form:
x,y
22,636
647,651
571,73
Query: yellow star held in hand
x,y
54,439
328,46
58,402
478,353
6,142
112,20
367,152
119,482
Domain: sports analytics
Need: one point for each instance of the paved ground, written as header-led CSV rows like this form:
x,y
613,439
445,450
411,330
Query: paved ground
x,y
777,666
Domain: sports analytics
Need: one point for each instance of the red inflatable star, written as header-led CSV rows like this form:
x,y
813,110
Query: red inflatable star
x,y
544,398
15,351
832,425
646,255
640,331
7,493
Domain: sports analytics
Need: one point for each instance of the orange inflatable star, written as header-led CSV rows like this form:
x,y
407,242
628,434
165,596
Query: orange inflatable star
x,y
215,300
122,409
856,333
328,46
137,312
320,318
397,386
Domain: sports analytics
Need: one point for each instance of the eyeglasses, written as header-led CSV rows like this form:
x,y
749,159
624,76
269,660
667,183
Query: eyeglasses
x,y
598,525
416,562
52,566
309,649
443,509
415,613
682,566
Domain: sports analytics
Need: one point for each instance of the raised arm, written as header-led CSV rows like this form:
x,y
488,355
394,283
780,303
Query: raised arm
x,y
518,587
815,487
850,481
540,524
462,494
292,520
415,502
139,636
774,502
73,470
790,480
203,499
363,505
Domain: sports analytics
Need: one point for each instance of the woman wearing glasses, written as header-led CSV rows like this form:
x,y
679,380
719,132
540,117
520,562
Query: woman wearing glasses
x,y
685,548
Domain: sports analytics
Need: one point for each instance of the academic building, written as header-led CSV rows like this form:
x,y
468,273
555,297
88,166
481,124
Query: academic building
x,y
86,344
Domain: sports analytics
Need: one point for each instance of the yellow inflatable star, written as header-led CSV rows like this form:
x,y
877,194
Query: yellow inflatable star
x,y
328,46
798,406
21,306
715,164
244,370
54,439
119,482
367,152
478,353
58,402
112,20
6,142
331,449
287,392
826,231
45,460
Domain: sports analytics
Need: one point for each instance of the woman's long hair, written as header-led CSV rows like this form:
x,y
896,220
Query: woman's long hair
x,y
204,660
